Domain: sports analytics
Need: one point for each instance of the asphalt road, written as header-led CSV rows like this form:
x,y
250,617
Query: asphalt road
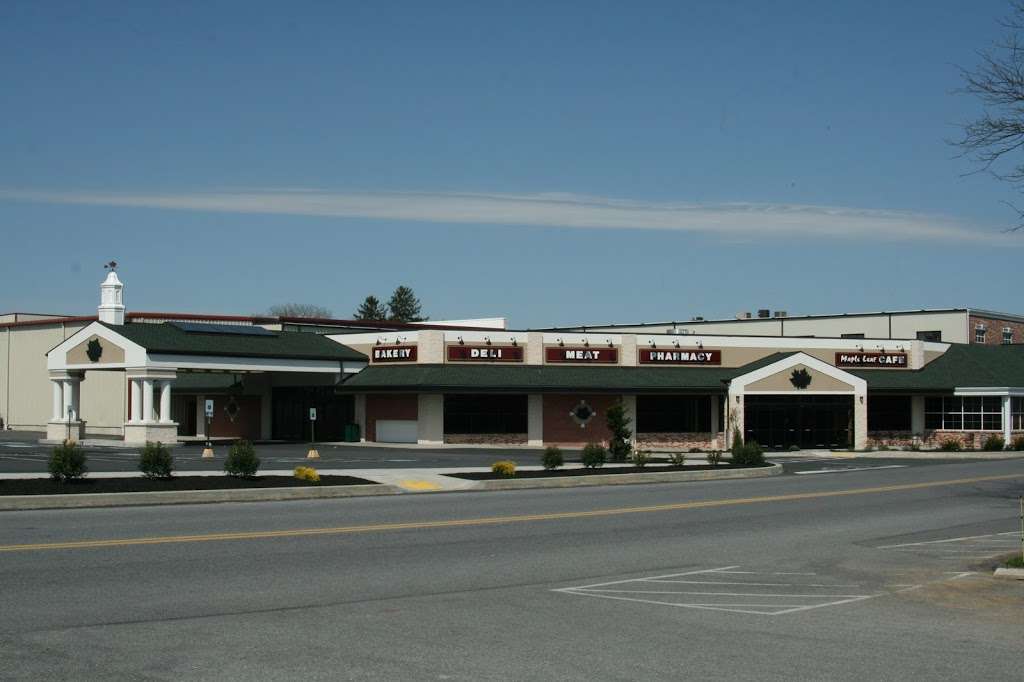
x,y
871,574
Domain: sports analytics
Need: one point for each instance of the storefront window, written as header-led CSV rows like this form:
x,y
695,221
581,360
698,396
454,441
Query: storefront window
x,y
673,414
889,413
1017,413
972,413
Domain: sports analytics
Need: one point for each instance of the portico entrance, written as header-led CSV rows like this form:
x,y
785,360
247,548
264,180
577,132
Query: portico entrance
x,y
806,421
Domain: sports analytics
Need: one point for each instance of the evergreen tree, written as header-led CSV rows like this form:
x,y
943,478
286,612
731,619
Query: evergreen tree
x,y
404,306
618,423
371,309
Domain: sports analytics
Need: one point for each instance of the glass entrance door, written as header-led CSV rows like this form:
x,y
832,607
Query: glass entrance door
x,y
806,421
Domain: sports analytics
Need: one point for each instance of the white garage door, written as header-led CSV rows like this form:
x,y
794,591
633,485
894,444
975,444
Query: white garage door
x,y
396,430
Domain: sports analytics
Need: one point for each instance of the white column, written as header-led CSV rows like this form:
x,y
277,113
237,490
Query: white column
x,y
201,416
58,399
430,425
68,397
147,400
629,404
535,419
165,401
1007,420
136,401
76,394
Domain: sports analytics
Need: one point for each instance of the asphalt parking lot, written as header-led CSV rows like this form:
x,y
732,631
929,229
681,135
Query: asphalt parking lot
x,y
20,452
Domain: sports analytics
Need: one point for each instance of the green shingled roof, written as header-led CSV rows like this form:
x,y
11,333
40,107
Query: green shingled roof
x,y
168,338
960,366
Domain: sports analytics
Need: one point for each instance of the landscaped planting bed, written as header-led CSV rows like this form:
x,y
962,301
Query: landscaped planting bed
x,y
45,486
598,471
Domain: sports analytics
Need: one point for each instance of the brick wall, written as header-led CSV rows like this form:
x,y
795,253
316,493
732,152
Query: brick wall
x,y
679,441
404,406
486,438
994,330
561,428
972,440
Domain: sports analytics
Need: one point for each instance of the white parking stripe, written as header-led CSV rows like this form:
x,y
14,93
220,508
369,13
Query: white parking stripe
x,y
936,542
846,470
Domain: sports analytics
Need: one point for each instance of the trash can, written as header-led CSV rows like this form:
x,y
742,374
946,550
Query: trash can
x,y
351,433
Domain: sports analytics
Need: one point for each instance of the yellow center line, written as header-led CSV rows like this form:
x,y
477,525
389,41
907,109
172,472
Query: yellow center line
x,y
491,520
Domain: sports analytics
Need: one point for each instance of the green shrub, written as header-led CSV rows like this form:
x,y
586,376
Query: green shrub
x,y
594,455
1018,443
618,424
950,445
67,462
552,458
993,443
737,442
505,468
794,448
714,457
695,450
677,459
883,448
155,461
749,454
914,447
242,461
641,458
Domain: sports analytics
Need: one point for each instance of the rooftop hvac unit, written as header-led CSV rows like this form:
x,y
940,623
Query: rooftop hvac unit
x,y
781,313
697,318
763,313
743,315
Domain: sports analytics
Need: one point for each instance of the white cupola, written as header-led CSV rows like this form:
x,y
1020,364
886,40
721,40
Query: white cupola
x,y
111,308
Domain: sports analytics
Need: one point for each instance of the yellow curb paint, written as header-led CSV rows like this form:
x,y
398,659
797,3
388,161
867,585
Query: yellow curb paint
x,y
493,520
418,485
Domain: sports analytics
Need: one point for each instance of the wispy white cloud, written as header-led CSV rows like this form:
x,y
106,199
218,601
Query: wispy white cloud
x,y
731,220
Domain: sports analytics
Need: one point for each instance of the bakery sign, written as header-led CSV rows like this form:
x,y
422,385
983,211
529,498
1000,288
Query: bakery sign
x,y
485,353
393,354
678,356
893,360
582,354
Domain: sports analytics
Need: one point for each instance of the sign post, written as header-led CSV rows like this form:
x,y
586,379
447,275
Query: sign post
x,y
312,454
208,450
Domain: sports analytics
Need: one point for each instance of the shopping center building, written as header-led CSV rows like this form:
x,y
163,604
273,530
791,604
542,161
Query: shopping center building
x,y
148,376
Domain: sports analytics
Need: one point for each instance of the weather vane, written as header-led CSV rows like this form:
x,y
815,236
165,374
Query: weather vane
x,y
112,266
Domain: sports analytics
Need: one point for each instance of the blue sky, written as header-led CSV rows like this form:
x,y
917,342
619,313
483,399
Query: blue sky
x,y
552,162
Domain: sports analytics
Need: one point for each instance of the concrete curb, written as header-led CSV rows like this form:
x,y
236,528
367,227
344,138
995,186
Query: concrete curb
x,y
1010,573
626,479
94,500
931,454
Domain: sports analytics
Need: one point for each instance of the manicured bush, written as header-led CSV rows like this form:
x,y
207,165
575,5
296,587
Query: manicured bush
x,y
155,461
594,455
242,461
1018,443
993,443
714,457
695,451
794,448
308,474
749,454
67,462
677,459
618,424
737,443
505,468
552,458
950,445
641,458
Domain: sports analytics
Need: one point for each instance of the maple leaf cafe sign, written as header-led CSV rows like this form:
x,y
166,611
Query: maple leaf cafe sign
x,y
677,356
393,354
890,360
582,354
485,353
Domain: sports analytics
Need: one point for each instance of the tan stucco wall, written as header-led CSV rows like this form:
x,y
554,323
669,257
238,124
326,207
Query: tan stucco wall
x,y
5,334
104,401
27,381
779,382
111,353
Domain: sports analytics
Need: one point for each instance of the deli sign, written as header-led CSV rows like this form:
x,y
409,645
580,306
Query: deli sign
x,y
894,360
485,353
677,356
582,354
393,354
